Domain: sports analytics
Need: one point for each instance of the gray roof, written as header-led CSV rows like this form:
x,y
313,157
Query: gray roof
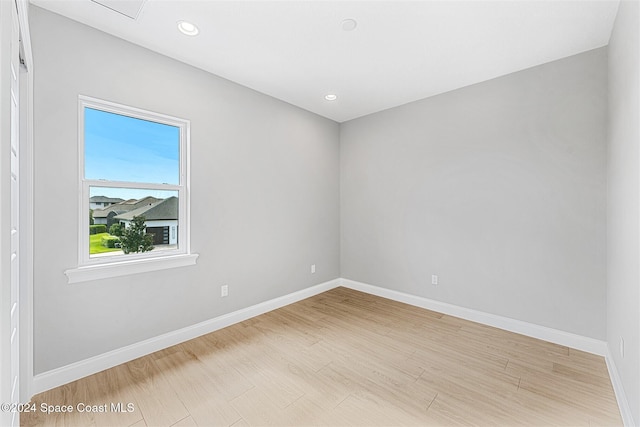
x,y
136,203
124,206
104,213
102,199
160,210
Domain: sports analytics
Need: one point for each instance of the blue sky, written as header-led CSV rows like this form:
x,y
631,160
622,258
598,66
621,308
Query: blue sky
x,y
121,148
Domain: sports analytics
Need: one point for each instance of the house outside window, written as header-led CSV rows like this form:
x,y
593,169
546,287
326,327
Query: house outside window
x,y
99,202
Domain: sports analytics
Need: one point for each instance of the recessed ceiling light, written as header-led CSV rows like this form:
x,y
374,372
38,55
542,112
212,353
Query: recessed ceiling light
x,y
330,97
349,24
188,28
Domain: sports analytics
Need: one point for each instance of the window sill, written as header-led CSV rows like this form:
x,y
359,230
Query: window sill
x,y
125,268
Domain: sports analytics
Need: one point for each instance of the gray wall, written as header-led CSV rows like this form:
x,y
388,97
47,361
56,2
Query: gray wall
x,y
265,195
623,214
498,188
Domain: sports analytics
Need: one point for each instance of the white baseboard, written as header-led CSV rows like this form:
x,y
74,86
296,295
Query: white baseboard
x,y
83,368
621,396
555,336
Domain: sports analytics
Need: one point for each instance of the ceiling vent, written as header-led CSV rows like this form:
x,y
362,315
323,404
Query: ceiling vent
x,y
128,8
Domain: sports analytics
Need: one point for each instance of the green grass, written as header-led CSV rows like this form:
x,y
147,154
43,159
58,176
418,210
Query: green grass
x,y
95,244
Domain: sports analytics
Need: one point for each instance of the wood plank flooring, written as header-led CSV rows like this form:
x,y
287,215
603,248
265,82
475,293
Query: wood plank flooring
x,y
345,358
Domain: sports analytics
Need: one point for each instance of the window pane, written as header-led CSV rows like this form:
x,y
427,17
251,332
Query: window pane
x,y
114,210
122,148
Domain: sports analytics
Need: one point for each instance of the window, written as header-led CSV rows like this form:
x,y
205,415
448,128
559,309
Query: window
x,y
134,207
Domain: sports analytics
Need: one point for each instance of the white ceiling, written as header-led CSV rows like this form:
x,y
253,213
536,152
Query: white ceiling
x,y
401,51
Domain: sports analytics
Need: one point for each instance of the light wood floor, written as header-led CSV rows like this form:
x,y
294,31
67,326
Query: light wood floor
x,y
348,358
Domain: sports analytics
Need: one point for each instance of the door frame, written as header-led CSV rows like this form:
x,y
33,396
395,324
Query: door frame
x,y
26,204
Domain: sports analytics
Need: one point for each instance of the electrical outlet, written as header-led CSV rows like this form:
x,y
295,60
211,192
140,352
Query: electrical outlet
x,y
224,290
434,279
313,268
622,347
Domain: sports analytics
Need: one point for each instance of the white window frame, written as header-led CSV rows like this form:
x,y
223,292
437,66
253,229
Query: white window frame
x,y
119,265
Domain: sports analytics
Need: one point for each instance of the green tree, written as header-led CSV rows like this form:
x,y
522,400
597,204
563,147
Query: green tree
x,y
135,237
115,229
91,217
